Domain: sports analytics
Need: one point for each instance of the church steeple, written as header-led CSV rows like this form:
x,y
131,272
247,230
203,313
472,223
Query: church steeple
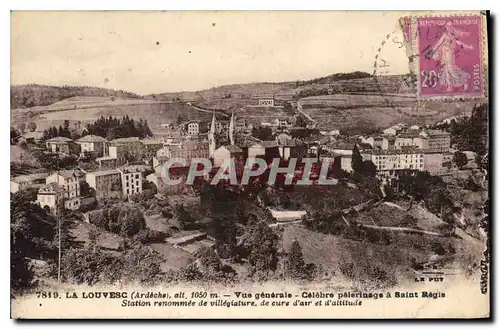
x,y
211,138
231,129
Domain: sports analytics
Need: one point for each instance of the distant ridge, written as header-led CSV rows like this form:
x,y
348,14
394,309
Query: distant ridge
x,y
24,96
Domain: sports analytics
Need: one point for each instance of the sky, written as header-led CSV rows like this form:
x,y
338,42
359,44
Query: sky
x,y
154,52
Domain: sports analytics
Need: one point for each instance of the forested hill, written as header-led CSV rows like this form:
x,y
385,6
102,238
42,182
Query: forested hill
x,y
24,96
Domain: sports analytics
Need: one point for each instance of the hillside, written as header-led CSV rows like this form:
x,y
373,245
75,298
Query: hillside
x,y
25,96
247,90
83,110
353,102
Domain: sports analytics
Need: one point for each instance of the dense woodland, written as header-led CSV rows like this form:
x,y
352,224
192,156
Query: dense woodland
x,y
39,95
112,128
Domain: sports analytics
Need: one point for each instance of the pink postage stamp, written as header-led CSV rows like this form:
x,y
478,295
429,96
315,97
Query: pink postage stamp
x,y
450,56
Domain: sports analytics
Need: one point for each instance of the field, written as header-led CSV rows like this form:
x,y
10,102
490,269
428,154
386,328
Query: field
x,y
87,109
345,111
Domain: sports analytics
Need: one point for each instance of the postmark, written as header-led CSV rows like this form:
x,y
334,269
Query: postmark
x,y
450,56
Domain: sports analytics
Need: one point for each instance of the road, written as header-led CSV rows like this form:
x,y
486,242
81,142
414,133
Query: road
x,y
207,111
299,109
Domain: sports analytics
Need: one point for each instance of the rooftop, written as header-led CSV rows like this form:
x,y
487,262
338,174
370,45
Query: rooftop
x,y
92,138
104,172
27,178
51,188
232,148
71,173
404,150
126,140
266,144
59,140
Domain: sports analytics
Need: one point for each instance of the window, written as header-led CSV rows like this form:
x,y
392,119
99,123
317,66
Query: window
x,y
137,189
126,177
128,191
136,176
127,184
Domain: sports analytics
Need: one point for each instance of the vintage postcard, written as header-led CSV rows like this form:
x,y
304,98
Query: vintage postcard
x,y
244,165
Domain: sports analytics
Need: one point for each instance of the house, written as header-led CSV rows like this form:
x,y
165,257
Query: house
x,y
395,129
32,137
438,141
192,127
226,152
187,150
345,161
131,180
175,173
132,145
49,196
340,147
222,126
292,148
62,145
282,123
264,149
376,142
153,145
92,144
106,183
69,180
23,182
265,100
63,186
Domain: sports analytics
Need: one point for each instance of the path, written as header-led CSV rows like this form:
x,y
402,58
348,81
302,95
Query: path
x,y
207,111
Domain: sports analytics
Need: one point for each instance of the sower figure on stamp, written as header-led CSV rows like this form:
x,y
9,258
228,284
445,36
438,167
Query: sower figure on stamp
x,y
444,52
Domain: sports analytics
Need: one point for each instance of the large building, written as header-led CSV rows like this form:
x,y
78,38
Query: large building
x,y
266,100
133,146
193,128
106,183
92,144
389,162
412,138
438,141
131,180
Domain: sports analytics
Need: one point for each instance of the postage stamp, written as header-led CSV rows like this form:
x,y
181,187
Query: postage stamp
x,y
450,56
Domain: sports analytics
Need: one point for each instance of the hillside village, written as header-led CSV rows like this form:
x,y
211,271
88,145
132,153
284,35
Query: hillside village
x,y
99,187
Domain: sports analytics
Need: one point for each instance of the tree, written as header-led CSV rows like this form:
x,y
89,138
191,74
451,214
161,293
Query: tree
x,y
262,133
32,126
460,159
368,168
13,135
183,217
131,221
357,160
225,232
141,264
295,267
21,127
262,245
300,122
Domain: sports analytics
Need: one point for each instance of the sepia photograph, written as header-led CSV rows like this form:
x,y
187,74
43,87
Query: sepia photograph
x,y
249,164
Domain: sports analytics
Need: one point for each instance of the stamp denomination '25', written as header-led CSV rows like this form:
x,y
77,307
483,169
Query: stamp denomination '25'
x,y
450,56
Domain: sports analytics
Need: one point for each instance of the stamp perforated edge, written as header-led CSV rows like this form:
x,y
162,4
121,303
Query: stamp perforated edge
x,y
415,69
